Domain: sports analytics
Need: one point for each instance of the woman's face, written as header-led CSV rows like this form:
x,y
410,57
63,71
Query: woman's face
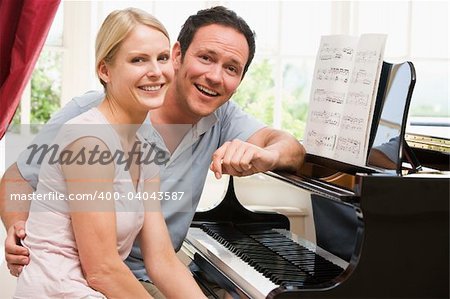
x,y
140,72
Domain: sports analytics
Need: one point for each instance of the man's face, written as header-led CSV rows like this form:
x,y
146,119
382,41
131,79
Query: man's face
x,y
211,69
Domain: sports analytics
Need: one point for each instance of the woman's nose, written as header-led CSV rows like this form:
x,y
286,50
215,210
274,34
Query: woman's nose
x,y
154,70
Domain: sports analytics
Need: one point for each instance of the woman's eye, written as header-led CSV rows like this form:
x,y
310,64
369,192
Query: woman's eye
x,y
164,57
137,59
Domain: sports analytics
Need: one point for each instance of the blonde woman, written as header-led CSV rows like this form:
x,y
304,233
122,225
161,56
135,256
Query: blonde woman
x,y
76,247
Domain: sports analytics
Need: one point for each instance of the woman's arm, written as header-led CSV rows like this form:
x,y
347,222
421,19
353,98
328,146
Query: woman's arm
x,y
161,263
94,226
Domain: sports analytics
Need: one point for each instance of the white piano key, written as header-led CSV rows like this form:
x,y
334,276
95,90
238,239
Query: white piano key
x,y
250,281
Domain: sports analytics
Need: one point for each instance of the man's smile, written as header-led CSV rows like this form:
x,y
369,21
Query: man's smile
x,y
206,91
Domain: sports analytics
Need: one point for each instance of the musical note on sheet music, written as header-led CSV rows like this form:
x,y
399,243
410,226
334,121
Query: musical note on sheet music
x,y
336,53
362,77
325,117
367,56
348,145
352,123
343,96
357,98
322,95
333,74
321,140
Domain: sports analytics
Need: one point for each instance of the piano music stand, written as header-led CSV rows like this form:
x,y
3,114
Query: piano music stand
x,y
390,116
395,90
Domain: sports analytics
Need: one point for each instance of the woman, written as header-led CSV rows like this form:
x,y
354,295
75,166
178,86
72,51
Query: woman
x,y
77,247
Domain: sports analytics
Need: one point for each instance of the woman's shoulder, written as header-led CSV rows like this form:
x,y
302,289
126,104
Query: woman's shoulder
x,y
89,124
92,116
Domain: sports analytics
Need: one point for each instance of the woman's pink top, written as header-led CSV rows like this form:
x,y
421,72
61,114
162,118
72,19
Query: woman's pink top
x,y
55,270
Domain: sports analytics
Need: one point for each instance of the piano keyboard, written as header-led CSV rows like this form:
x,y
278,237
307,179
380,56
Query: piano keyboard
x,y
258,261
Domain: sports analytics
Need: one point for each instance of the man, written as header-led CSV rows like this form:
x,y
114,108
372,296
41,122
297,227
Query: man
x,y
213,51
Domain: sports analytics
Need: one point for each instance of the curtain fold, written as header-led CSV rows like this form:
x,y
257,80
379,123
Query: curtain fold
x,y
24,25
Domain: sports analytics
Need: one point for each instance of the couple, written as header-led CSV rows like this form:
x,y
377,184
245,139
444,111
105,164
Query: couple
x,y
81,254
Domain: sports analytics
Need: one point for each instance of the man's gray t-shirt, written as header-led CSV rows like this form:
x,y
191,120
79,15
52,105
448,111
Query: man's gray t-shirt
x,y
185,171
390,149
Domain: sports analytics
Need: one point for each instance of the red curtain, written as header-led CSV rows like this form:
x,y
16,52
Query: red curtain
x,y
24,25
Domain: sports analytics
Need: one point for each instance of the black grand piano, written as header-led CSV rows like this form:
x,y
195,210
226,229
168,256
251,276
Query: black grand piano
x,y
399,228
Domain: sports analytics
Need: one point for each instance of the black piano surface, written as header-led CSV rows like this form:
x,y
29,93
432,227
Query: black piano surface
x,y
402,248
396,242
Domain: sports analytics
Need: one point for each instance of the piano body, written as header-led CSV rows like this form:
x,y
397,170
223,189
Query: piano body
x,y
401,227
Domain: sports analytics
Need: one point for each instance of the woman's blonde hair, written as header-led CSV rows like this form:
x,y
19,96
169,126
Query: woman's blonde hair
x,y
116,27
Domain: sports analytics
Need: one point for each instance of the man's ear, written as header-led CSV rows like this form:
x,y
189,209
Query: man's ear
x,y
176,56
103,72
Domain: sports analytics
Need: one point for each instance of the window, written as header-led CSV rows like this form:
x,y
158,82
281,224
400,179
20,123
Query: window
x,y
277,86
286,49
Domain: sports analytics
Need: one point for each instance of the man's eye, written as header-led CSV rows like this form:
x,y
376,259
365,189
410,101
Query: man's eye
x,y
233,69
204,57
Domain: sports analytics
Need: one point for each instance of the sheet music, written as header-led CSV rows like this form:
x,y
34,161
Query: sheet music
x,y
343,95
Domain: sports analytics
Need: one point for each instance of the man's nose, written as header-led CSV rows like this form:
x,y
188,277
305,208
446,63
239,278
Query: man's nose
x,y
214,74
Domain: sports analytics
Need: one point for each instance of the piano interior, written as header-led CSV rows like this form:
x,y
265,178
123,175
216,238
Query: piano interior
x,y
381,231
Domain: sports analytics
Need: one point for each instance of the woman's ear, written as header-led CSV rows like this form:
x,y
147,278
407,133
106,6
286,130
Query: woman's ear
x,y
176,56
103,72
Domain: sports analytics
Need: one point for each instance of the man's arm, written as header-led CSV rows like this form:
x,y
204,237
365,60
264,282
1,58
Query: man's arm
x,y
13,183
267,149
291,152
14,214
385,155
380,159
